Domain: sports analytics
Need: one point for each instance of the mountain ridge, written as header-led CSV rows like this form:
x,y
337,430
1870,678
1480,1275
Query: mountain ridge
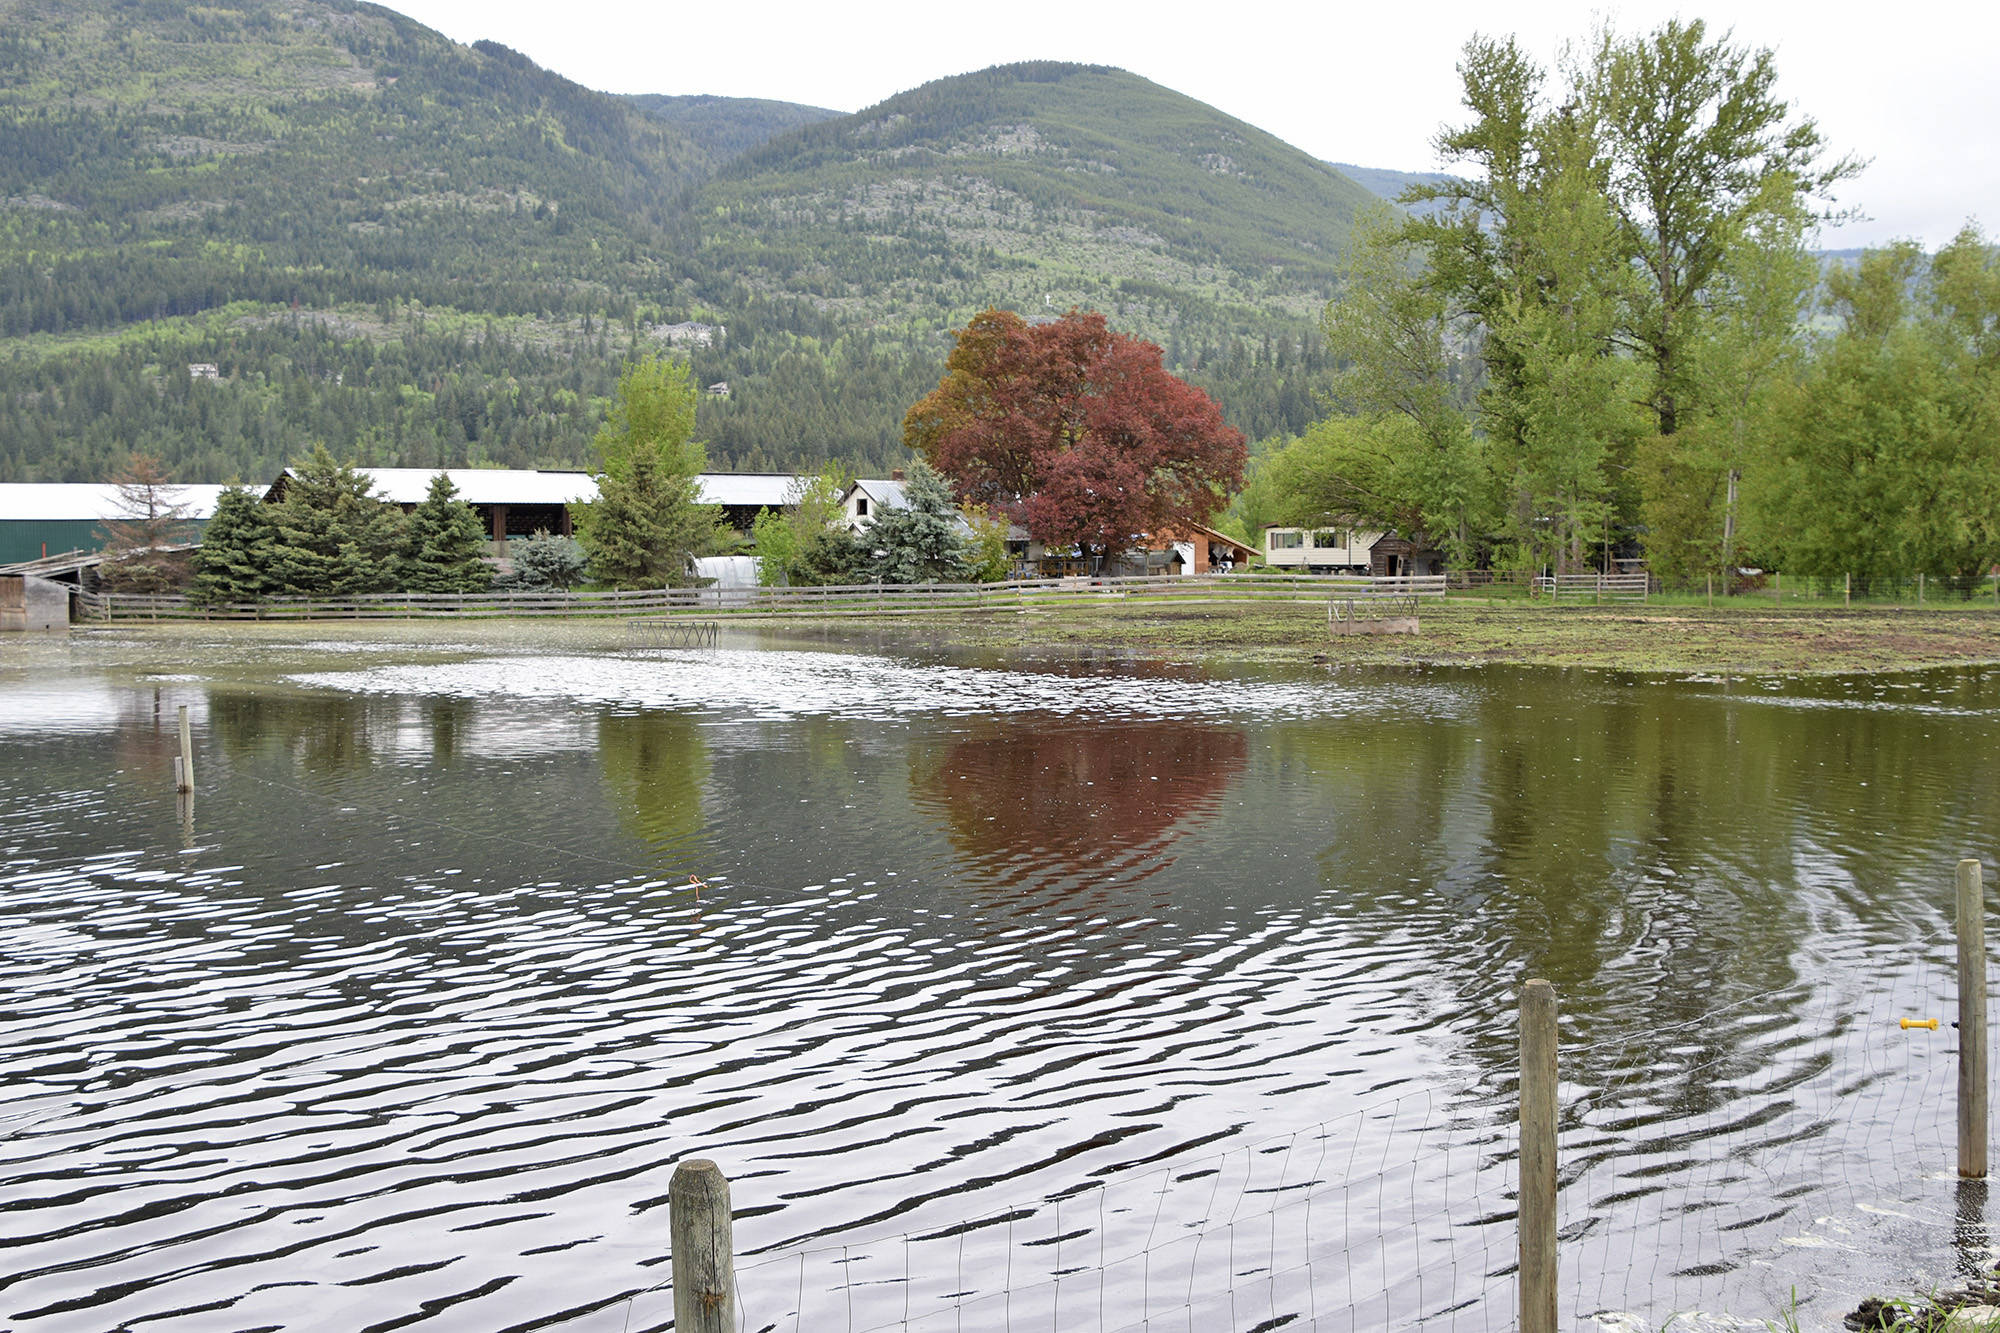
x,y
426,253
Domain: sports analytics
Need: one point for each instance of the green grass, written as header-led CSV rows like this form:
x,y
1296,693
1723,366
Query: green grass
x,y
1468,631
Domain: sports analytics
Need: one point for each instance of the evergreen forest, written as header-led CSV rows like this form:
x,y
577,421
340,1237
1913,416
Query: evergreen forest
x,y
421,253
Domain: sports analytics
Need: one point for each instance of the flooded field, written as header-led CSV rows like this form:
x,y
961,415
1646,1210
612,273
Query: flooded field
x,y
1084,992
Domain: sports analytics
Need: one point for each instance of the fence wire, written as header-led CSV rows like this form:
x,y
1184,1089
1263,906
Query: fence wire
x,y
1694,1161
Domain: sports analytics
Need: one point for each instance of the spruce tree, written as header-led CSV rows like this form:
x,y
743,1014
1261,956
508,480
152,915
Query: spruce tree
x,y
634,540
334,535
642,530
923,541
234,561
547,561
446,544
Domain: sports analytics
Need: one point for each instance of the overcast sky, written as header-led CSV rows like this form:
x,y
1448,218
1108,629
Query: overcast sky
x,y
1911,89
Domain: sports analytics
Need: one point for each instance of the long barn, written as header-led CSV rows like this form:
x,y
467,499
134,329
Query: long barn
x,y
39,519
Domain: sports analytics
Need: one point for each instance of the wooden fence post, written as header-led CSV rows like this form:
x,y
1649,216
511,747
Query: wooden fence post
x,y
1538,1158
704,1251
184,771
1847,589
1971,1022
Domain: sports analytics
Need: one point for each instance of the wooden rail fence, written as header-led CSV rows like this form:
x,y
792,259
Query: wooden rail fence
x,y
873,598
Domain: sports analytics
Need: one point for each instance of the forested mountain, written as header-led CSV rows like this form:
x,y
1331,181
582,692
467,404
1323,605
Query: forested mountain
x,y
727,126
425,253
1387,184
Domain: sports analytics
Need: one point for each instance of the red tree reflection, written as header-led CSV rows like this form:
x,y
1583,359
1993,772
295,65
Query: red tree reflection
x,y
1062,800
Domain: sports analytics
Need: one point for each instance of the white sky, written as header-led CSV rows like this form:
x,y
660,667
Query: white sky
x,y
1913,89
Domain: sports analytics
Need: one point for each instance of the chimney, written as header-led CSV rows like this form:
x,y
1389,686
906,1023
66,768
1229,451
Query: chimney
x,y
895,474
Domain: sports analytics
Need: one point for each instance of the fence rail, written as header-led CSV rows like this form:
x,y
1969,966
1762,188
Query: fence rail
x,y
881,598
1599,587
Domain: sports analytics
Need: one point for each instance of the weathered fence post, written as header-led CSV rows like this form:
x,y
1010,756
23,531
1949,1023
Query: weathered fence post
x,y
1971,1022
704,1251
1538,1158
1847,589
184,770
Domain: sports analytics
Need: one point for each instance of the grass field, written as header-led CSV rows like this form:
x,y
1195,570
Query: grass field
x,y
1740,637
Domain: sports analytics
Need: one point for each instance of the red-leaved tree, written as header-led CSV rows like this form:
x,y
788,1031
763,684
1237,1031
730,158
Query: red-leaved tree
x,y
1077,433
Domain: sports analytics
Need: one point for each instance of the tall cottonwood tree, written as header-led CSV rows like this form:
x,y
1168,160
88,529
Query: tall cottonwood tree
x,y
1890,443
1617,258
1412,462
1702,154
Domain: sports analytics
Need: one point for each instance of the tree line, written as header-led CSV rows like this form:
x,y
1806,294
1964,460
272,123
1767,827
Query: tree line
x,y
1612,337
330,535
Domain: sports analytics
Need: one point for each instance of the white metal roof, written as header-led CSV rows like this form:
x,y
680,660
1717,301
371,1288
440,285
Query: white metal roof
x,y
89,501
483,485
525,486
772,490
883,492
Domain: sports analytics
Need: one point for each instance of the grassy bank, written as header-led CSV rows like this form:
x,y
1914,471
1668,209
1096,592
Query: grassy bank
x,y
1734,638
1739,637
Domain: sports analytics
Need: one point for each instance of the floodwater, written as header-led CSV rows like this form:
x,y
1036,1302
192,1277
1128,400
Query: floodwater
x,y
1073,993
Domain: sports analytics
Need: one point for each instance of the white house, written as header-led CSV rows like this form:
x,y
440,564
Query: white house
x,y
861,502
1335,548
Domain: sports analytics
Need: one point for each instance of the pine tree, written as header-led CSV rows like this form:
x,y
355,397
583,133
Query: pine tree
x,y
446,544
233,563
923,541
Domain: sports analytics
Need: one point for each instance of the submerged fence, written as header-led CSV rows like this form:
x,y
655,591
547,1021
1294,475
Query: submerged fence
x,y
1619,1183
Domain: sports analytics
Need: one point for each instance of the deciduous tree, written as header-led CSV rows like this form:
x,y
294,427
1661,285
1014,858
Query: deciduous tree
x,y
1076,432
785,539
642,530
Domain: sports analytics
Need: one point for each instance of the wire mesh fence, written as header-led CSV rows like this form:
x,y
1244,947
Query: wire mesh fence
x,y
1693,1160
1395,1214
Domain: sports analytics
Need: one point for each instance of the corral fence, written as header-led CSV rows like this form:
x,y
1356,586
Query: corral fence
x,y
1858,589
873,598
1577,1201
1380,605
1596,587
890,599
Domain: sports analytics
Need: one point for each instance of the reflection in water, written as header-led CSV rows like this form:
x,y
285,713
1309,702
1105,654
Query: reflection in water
x,y
324,736
406,1022
655,767
1048,802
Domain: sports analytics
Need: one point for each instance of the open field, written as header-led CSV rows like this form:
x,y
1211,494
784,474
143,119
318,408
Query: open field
x,y
1736,638
1739,637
